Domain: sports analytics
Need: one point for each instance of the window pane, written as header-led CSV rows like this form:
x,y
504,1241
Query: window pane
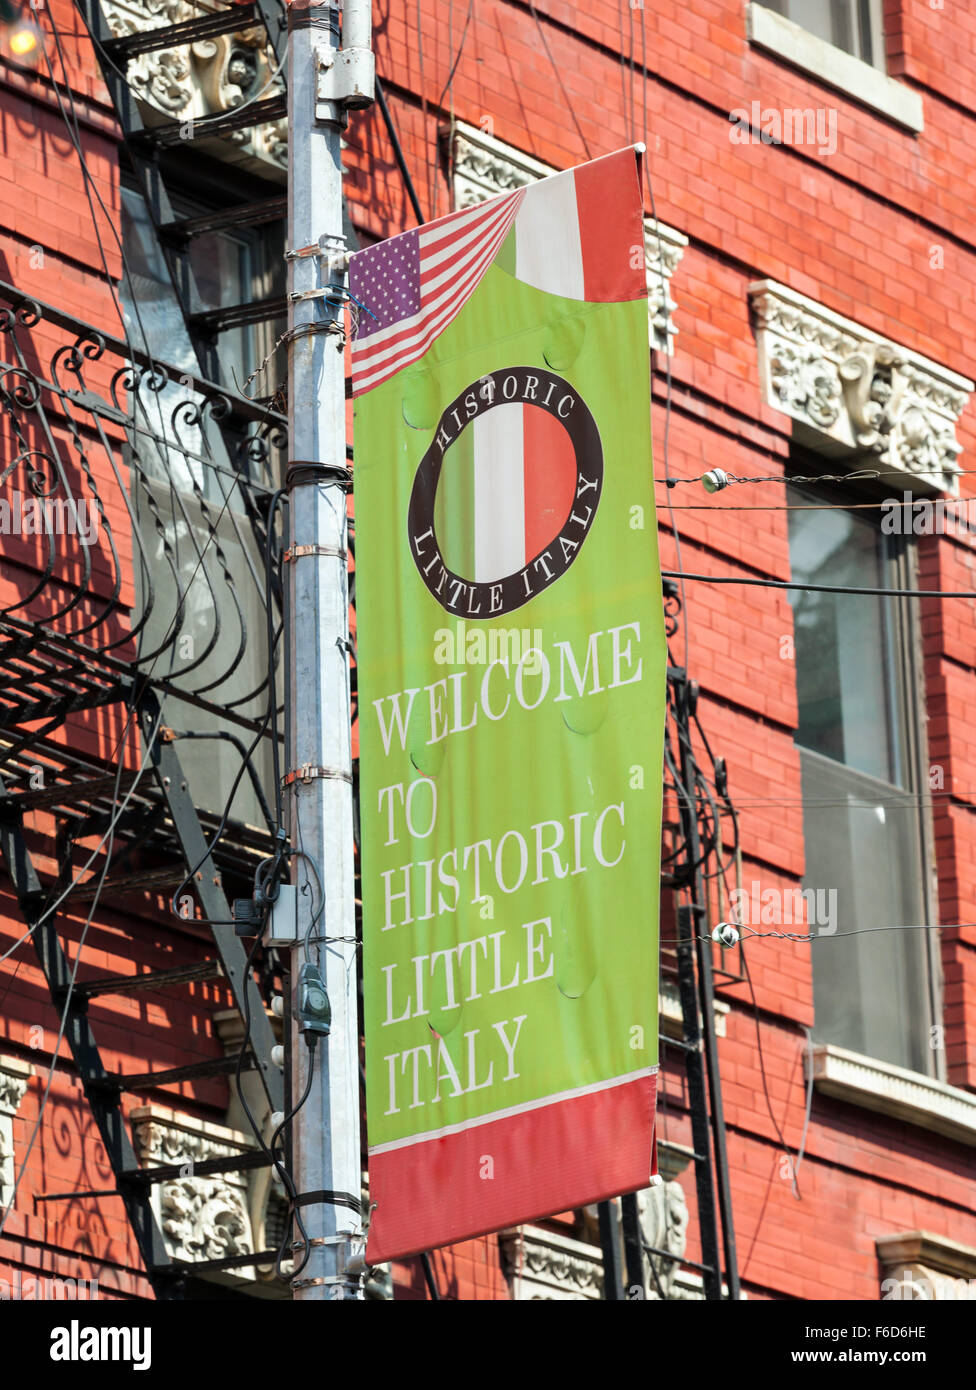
x,y
154,320
862,842
846,701
853,25
861,821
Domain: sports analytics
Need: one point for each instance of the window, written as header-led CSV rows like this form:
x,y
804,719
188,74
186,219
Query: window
x,y
858,735
853,25
179,500
229,269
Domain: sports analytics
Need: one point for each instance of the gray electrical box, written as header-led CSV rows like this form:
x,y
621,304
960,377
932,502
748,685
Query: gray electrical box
x,y
283,918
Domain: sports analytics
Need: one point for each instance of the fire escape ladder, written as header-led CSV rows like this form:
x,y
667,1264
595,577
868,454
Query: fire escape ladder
x,y
207,885
103,1088
158,153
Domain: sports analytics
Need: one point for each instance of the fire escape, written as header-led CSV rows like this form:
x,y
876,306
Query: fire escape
x,y
135,636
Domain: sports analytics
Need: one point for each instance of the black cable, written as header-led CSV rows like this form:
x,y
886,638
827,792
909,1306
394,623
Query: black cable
x,y
295,1207
559,78
822,588
398,154
454,68
276,499
268,1149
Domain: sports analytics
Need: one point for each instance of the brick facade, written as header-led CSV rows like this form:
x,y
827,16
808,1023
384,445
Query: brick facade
x,y
878,231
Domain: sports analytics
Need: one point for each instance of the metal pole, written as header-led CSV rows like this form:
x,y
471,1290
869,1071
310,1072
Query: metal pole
x,y
609,1236
323,82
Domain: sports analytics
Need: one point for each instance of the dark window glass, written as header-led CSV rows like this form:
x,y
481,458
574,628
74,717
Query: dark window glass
x,y
862,816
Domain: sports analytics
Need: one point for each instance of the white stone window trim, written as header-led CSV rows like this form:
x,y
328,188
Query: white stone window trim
x,y
671,1018
854,394
14,1076
834,67
484,167
903,1095
918,1265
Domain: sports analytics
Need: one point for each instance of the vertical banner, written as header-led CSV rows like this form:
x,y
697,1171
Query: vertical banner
x,y
512,667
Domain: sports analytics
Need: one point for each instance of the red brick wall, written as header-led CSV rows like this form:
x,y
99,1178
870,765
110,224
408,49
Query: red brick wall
x,y
855,231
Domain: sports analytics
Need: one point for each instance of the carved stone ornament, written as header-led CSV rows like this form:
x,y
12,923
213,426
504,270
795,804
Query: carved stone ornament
x,y
211,77
14,1076
202,1218
544,1265
926,1268
484,167
854,394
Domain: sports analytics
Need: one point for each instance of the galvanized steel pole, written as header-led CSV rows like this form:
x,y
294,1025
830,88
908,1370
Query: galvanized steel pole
x,y
324,81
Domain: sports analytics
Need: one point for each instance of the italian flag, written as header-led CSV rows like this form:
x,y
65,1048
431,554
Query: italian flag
x,y
574,234
506,489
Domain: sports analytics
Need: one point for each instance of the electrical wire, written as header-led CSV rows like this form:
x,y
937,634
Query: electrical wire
x,y
268,1147
276,499
66,1006
819,588
813,938
398,154
559,78
668,381
457,59
859,475
423,101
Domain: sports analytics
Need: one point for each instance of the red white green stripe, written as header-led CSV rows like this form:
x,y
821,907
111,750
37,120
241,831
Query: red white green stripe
x,y
572,233
506,488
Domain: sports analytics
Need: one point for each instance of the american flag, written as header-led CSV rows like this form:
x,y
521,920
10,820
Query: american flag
x,y
417,282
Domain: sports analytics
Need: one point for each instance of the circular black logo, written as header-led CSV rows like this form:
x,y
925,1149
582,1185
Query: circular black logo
x,y
506,494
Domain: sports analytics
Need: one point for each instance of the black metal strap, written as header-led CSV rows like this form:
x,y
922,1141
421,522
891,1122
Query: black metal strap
x,y
335,1199
302,471
313,14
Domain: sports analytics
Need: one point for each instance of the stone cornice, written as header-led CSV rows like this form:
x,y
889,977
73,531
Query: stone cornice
x,y
211,77
545,1265
485,167
202,1218
922,1247
920,1266
852,393
904,1095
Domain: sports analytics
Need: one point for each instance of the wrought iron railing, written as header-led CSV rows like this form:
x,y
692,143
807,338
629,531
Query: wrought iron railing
x,y
134,500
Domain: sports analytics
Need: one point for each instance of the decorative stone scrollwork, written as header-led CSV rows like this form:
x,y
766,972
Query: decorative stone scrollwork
x,y
207,78
852,392
485,167
544,1265
14,1076
202,1218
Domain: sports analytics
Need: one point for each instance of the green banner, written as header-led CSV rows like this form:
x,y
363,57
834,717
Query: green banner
x,y
511,666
